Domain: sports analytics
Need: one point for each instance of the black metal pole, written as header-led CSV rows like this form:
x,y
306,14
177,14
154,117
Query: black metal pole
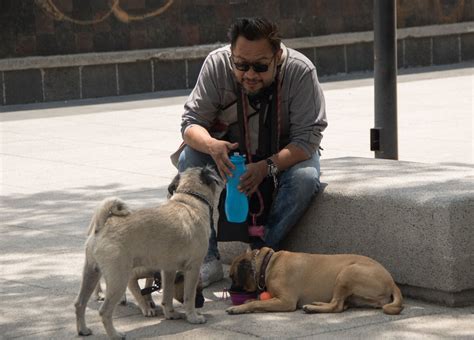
x,y
384,139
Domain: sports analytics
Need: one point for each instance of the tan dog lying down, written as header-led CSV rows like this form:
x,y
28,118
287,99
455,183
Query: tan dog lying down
x,y
316,283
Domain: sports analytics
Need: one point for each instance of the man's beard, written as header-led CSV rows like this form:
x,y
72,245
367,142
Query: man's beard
x,y
262,92
252,93
256,92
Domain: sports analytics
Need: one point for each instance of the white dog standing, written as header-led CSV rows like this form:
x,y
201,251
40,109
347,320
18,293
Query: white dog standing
x,y
169,237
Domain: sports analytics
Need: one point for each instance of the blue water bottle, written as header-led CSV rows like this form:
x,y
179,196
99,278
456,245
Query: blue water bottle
x,y
236,202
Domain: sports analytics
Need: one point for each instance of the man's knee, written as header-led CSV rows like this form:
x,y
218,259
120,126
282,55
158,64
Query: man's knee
x,y
190,157
306,180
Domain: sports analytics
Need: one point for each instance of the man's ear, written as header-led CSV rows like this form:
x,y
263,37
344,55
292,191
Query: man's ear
x,y
278,56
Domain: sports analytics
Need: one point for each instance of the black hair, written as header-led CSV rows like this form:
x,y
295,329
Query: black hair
x,y
255,29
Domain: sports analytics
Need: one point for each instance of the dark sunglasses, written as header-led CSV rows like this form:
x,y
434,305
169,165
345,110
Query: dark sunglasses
x,y
257,67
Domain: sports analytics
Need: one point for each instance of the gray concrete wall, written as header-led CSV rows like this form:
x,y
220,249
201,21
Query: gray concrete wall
x,y
47,27
92,75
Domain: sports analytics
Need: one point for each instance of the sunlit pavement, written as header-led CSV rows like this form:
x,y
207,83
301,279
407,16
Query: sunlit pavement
x,y
59,159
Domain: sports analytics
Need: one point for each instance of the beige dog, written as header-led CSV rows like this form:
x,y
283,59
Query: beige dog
x,y
316,283
115,206
170,237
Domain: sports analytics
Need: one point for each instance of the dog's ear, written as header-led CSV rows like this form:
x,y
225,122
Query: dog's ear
x,y
173,185
209,175
244,270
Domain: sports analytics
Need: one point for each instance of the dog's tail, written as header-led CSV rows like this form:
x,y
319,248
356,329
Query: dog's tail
x,y
112,206
394,307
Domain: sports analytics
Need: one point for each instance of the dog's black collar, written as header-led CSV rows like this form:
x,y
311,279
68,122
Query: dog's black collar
x,y
263,268
202,199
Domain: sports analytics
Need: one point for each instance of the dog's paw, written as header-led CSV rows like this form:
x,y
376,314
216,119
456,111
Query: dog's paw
x,y
149,311
312,308
196,318
85,332
234,310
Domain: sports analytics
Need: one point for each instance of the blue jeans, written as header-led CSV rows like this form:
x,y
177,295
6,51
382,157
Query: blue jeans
x,y
296,187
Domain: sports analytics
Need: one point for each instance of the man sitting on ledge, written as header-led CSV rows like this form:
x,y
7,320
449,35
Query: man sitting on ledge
x,y
263,99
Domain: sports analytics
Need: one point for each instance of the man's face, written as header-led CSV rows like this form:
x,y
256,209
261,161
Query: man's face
x,y
259,53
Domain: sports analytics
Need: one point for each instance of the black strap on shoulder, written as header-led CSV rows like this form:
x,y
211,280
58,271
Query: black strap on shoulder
x,y
263,138
268,124
241,121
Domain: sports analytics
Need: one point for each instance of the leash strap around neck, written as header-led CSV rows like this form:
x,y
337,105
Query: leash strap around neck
x,y
202,199
263,268
242,114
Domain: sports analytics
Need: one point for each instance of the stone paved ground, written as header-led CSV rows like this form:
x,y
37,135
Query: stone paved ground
x,y
58,160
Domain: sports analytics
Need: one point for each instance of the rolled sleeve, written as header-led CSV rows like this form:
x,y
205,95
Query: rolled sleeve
x,y
307,113
202,104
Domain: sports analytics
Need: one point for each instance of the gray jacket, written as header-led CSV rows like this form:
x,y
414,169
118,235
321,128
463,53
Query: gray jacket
x,y
303,113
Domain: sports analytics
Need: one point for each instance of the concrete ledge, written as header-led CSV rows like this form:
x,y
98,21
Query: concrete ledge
x,y
230,250
104,58
458,299
92,75
416,219
201,51
368,36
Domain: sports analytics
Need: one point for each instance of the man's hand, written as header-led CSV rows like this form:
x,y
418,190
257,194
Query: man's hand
x,y
252,178
219,150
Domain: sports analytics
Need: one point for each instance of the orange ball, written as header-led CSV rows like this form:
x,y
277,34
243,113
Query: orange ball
x,y
265,296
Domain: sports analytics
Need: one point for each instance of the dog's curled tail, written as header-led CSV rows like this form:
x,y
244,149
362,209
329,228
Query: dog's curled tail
x,y
394,307
112,206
